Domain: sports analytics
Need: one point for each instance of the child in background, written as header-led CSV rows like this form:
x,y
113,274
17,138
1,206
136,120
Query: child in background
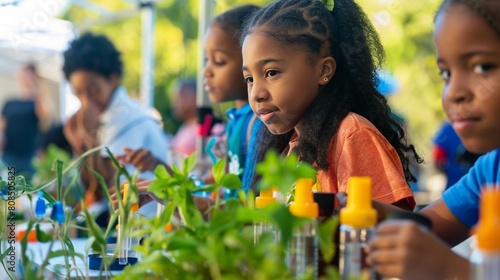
x,y
311,80
224,82
184,109
467,36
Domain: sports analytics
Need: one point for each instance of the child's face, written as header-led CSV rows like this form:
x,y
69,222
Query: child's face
x,y
223,78
93,89
184,105
469,59
282,82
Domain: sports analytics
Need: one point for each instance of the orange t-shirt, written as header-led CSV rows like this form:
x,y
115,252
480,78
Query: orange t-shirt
x,y
359,149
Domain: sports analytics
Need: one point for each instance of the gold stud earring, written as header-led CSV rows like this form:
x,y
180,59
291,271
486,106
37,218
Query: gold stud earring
x,y
325,79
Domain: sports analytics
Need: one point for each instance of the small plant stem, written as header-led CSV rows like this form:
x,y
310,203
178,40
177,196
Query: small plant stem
x,y
46,259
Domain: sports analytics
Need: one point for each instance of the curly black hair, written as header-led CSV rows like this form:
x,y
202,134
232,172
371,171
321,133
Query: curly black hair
x,y
488,10
348,36
94,53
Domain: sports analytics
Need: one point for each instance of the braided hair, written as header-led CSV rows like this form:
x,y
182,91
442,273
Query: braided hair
x,y
346,34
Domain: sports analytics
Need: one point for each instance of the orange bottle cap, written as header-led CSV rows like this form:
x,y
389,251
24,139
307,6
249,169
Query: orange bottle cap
x,y
31,235
488,227
359,212
265,198
135,206
168,227
303,204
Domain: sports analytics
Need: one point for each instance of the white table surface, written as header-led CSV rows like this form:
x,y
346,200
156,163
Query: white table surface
x,y
40,250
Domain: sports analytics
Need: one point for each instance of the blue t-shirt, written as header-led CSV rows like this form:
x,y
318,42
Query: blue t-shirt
x,y
463,198
251,159
237,131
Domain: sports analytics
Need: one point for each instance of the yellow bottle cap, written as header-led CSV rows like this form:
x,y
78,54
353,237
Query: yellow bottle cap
x,y
303,204
359,212
265,198
135,206
488,226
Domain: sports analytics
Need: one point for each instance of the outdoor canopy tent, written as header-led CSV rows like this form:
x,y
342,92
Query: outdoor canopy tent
x,y
35,36
29,28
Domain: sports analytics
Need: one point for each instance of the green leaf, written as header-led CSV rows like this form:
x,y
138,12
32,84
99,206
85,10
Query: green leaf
x,y
222,222
167,213
182,243
89,243
161,172
177,171
326,233
24,242
70,166
219,169
231,181
42,236
282,172
99,242
158,188
4,254
189,185
55,254
188,164
48,197
59,167
246,215
155,266
187,209
119,168
285,221
305,170
207,188
69,245
332,273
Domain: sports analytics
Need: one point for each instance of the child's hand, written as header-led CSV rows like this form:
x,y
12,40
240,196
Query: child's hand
x,y
141,158
204,204
89,117
78,137
407,250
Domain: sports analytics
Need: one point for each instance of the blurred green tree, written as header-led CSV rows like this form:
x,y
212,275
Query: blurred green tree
x,y
405,28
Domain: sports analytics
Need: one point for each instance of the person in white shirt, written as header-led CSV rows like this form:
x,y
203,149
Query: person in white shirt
x,y
108,116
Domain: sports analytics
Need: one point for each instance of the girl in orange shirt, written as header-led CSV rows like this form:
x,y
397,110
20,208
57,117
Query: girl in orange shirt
x,y
311,80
